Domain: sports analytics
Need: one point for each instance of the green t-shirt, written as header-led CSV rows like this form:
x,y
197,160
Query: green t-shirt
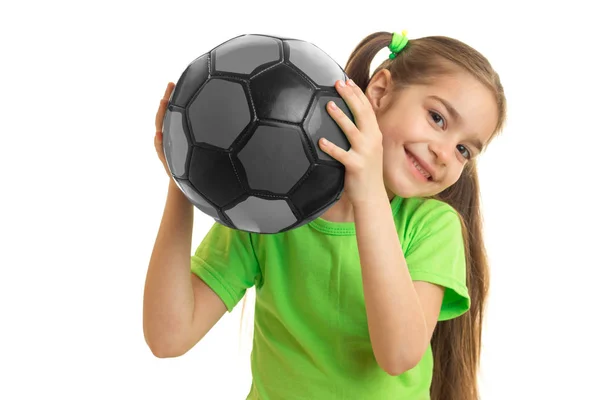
x,y
311,339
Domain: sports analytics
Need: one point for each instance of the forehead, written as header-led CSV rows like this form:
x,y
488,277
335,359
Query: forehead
x,y
473,101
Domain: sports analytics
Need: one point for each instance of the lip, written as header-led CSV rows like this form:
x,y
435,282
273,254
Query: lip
x,y
423,164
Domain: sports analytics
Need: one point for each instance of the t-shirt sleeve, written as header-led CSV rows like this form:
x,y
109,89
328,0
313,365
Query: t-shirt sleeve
x,y
226,262
437,255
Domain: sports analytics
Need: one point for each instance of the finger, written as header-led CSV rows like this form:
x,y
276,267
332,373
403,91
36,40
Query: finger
x,y
347,93
333,150
162,108
344,122
168,91
158,122
359,104
160,114
358,93
158,144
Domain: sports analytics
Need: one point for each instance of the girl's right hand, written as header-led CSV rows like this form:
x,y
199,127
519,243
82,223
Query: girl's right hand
x,y
158,136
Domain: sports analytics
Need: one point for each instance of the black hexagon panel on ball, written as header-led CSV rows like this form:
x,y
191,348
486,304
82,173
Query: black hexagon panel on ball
x,y
241,133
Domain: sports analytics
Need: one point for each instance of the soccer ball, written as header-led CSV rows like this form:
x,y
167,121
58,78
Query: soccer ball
x,y
241,133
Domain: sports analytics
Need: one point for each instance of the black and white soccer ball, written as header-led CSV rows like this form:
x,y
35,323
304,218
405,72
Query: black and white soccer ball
x,y
241,133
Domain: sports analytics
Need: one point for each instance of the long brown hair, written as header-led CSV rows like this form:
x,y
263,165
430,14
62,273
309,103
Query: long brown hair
x,y
456,343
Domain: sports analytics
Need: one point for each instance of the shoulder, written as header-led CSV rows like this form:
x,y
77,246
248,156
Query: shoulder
x,y
424,210
418,218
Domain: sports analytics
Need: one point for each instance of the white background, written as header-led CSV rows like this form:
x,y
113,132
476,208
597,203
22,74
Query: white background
x,y
83,191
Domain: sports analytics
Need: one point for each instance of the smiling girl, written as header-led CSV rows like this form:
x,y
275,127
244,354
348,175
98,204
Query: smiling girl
x,y
382,297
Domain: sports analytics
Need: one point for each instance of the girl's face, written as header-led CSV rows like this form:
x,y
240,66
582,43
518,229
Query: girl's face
x,y
431,131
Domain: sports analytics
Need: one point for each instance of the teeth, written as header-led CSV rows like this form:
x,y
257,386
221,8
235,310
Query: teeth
x,y
418,166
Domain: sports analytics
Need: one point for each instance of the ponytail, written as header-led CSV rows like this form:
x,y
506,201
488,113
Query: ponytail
x,y
359,63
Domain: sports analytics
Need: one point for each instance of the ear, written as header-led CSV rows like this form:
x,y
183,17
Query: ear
x,y
379,89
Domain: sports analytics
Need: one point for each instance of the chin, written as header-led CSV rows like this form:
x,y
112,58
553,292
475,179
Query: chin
x,y
404,188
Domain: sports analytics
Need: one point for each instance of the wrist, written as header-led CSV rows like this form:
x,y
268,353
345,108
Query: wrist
x,y
376,197
173,185
175,191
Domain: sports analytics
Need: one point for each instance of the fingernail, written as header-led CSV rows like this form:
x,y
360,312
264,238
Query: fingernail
x,y
351,82
342,83
333,105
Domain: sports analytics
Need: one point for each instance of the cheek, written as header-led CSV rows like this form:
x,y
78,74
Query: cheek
x,y
408,129
399,133
453,175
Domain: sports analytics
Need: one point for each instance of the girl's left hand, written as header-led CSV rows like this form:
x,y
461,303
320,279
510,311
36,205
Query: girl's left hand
x,y
364,160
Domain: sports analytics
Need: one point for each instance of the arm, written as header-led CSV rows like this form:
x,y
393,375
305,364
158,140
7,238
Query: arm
x,y
173,319
401,314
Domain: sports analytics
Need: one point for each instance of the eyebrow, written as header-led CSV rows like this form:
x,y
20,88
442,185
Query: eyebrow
x,y
456,116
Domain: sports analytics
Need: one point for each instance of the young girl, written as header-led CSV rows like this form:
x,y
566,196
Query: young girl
x,y
382,297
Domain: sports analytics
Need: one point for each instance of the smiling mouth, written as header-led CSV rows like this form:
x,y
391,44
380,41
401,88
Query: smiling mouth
x,y
419,168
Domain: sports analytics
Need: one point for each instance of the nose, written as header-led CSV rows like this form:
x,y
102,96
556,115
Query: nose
x,y
442,151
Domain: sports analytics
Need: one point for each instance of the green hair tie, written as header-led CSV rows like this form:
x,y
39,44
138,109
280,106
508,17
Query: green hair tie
x,y
397,44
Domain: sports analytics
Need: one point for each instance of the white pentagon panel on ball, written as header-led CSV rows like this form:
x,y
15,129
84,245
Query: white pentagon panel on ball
x,y
314,62
197,199
175,143
262,216
274,158
243,54
219,113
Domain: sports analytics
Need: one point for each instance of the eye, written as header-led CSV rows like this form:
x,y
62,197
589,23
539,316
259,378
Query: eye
x,y
437,118
462,150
